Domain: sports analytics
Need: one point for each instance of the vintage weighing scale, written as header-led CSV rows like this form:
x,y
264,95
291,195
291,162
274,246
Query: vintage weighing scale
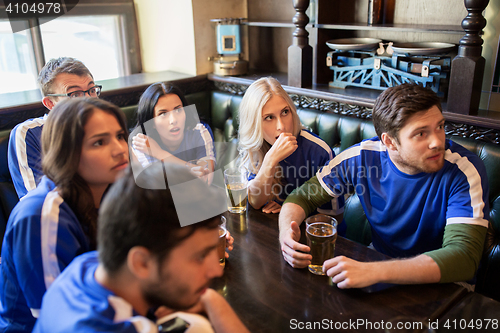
x,y
228,61
364,62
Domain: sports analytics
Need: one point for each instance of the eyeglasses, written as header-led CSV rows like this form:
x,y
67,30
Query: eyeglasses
x,y
95,91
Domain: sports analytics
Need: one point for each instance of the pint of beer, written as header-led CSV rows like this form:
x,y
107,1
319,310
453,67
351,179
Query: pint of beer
x,y
321,218
221,246
321,238
236,188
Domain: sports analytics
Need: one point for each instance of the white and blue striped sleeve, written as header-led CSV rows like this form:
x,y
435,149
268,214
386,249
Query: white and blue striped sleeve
x,y
468,201
46,244
24,155
206,148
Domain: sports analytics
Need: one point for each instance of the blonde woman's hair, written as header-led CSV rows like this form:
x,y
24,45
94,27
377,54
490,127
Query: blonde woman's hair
x,y
251,144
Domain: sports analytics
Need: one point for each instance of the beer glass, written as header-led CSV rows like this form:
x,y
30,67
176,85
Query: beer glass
x,y
221,246
321,239
236,188
321,218
199,168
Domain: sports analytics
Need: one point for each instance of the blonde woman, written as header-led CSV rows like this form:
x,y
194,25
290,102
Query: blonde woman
x,y
279,153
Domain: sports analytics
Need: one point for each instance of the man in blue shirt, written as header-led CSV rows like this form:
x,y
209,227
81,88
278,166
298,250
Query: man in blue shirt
x,y
59,78
147,265
425,197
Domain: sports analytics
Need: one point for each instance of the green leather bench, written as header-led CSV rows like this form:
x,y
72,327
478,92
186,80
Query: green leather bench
x,y
220,109
341,132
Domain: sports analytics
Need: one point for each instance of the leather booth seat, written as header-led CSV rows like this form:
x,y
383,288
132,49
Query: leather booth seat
x,y
341,132
220,109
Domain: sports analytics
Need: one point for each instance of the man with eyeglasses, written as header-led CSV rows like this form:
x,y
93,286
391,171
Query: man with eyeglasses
x,y
60,78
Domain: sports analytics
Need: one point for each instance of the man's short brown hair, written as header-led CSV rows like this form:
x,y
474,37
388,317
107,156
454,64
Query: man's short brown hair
x,y
395,105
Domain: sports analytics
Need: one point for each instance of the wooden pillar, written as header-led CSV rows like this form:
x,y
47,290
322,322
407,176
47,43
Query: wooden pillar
x,y
467,68
300,52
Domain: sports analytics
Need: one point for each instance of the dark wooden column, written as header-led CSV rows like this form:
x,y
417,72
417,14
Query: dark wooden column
x,y
300,52
467,68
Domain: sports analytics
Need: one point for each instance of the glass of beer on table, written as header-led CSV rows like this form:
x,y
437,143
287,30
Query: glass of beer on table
x,y
221,246
321,218
236,182
321,238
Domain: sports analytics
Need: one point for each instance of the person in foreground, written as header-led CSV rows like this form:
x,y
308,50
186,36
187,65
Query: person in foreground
x,y
84,144
59,79
425,197
278,152
145,260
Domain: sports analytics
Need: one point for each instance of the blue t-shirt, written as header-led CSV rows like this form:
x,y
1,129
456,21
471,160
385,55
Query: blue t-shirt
x,y
77,303
408,213
24,155
197,143
311,154
42,237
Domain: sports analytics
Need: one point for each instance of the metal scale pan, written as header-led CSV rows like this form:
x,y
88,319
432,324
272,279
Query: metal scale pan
x,y
356,64
423,48
353,44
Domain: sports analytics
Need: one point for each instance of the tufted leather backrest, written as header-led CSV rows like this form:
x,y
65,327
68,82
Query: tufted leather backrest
x,y
488,275
341,132
220,110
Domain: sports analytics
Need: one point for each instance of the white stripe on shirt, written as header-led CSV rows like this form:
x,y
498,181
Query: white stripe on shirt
x,y
345,155
317,141
474,180
124,312
143,325
22,156
35,313
467,220
141,157
123,309
207,139
49,224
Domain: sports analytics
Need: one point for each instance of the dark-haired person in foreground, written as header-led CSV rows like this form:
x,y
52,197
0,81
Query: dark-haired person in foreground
x,y
84,145
145,260
59,79
425,197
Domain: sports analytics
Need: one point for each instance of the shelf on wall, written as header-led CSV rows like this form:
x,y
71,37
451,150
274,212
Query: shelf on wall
x,y
354,96
435,28
351,95
272,24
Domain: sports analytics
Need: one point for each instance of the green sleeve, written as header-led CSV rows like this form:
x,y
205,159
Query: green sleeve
x,y
309,196
462,249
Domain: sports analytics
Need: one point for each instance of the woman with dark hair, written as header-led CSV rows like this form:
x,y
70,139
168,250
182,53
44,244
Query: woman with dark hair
x,y
168,129
84,149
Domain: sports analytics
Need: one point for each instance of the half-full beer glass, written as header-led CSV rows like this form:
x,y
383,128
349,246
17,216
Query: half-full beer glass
x,y
221,246
236,183
321,238
321,218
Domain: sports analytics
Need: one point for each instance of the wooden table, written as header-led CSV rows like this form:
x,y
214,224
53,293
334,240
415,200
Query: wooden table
x,y
271,296
474,313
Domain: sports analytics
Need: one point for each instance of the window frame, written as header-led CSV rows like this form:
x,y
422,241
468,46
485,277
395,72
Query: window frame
x,y
128,30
